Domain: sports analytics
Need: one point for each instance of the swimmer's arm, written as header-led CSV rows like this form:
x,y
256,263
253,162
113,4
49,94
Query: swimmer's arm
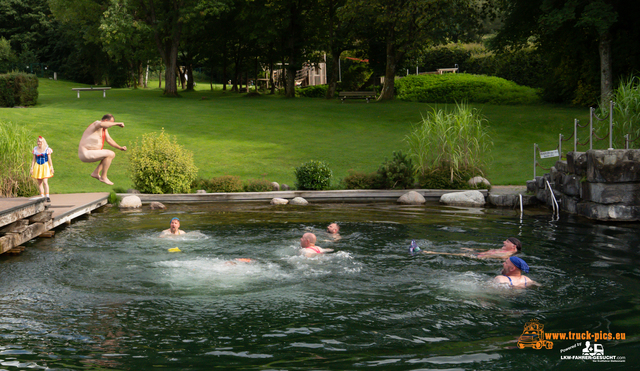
x,y
443,253
326,250
108,124
113,143
501,279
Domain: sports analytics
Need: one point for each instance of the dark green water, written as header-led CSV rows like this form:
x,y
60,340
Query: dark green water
x,y
105,293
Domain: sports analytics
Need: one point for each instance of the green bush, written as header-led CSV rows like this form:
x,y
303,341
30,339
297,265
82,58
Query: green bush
x,y
16,144
459,87
524,67
316,91
313,175
257,185
225,183
443,57
397,173
361,180
18,89
159,165
355,76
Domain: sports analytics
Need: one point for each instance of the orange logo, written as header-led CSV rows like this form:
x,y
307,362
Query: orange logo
x,y
533,336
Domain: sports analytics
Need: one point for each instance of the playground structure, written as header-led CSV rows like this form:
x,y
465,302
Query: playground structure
x,y
311,74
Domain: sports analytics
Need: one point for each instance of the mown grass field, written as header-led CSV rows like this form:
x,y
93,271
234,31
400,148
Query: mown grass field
x,y
268,136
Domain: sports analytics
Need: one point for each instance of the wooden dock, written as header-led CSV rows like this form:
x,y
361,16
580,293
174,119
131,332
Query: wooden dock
x,y
22,219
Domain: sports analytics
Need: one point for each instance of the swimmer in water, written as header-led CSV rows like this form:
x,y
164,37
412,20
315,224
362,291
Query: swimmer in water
x,y
238,260
512,276
309,248
333,230
510,246
174,229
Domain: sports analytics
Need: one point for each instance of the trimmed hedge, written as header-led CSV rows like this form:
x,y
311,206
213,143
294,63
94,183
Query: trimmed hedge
x,y
459,87
18,89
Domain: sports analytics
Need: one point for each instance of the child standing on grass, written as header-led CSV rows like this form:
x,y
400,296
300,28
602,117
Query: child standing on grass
x,y
42,167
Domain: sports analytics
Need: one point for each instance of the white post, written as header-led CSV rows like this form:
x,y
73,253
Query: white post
x,y
534,160
339,71
590,127
560,146
55,76
146,77
611,125
575,135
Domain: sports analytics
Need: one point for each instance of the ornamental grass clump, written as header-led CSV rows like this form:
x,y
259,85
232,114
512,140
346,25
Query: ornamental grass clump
x,y
159,165
455,143
16,146
313,175
626,114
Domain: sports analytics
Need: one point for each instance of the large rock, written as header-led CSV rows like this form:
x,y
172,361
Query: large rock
x,y
411,198
613,166
478,181
617,212
130,202
612,193
562,166
155,205
284,187
511,200
571,185
298,201
275,186
279,201
577,163
467,198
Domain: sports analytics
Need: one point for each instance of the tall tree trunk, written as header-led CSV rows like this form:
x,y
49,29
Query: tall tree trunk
x,y
388,88
333,77
606,75
160,78
190,82
140,74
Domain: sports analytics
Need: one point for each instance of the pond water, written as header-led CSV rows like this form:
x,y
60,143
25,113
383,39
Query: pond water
x,y
107,293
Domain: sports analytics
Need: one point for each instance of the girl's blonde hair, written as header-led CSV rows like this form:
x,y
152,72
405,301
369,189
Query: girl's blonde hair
x,y
44,142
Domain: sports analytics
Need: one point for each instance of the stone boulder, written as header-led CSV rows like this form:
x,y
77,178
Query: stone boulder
x,y
157,206
411,198
298,201
130,202
201,191
275,186
467,198
279,201
134,191
477,181
577,163
613,166
284,187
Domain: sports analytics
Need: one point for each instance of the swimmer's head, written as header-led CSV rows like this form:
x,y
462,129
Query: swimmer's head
x,y
174,224
333,228
307,240
516,242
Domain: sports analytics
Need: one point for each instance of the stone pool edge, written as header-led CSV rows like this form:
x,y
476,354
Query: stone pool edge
x,y
315,196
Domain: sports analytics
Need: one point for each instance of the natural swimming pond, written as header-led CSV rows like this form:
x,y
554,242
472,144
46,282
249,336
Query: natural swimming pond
x,y
107,293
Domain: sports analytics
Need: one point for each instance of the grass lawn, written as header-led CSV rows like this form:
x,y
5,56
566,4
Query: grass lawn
x,y
268,136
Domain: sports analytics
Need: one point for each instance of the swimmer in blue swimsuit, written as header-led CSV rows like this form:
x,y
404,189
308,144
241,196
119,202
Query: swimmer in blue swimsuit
x,y
512,269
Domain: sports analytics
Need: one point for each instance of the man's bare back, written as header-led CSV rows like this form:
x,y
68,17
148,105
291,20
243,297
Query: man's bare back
x,y
91,146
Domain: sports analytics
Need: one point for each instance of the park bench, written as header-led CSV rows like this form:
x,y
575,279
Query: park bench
x,y
443,70
104,90
357,95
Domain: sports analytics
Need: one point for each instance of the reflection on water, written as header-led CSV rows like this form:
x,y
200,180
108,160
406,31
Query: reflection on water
x,y
108,292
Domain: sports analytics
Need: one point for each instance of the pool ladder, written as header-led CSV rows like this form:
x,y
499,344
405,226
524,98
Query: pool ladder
x,y
554,203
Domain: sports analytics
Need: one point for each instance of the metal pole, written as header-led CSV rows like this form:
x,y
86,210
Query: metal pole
x,y
626,141
560,146
339,71
611,125
575,135
534,160
590,127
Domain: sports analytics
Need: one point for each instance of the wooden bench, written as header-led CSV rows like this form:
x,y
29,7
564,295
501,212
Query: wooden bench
x,y
357,95
104,90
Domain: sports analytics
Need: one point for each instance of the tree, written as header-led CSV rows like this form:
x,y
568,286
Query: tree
x,y
572,32
405,25
167,19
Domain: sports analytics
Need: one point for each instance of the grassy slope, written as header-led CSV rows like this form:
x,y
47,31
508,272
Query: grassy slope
x,y
267,136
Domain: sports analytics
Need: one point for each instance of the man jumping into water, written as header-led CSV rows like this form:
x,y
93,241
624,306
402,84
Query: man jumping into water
x,y
92,144
174,229
309,248
512,269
